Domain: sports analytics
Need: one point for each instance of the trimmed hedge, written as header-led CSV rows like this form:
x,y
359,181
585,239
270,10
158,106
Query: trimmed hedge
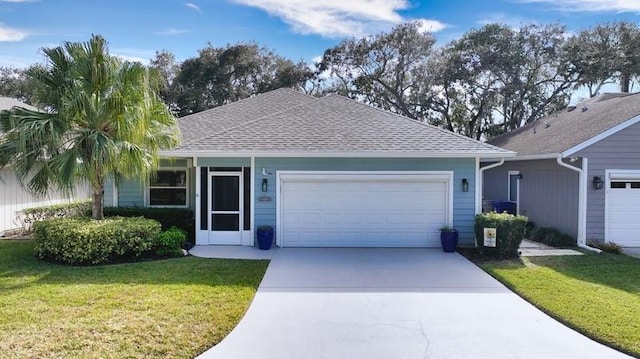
x,y
181,218
86,241
169,243
552,237
510,231
29,216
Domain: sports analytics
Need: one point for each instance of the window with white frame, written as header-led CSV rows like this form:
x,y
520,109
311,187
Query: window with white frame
x,y
169,188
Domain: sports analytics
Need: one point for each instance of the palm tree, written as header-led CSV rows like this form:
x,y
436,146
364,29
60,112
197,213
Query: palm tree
x,y
102,118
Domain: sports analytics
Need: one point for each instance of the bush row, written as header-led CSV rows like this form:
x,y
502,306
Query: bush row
x,y
168,217
29,216
82,241
510,231
551,237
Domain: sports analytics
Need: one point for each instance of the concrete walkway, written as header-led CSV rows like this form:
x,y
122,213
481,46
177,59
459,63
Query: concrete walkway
x,y
232,252
631,251
534,249
393,303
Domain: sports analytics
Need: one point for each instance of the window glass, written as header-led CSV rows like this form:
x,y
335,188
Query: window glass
x,y
225,195
635,185
164,178
225,222
168,188
167,197
618,184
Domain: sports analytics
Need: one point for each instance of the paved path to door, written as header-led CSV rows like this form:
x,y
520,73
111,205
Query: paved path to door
x,y
393,303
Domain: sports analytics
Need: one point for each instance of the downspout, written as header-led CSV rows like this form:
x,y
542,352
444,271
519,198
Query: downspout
x,y
582,202
480,179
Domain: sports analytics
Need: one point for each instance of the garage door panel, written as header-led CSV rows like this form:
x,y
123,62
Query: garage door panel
x,y
623,216
377,211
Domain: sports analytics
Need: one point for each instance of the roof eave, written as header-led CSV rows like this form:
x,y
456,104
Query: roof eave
x,y
359,154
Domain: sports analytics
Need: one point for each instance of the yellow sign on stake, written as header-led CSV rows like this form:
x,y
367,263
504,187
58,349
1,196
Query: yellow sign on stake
x,y
489,237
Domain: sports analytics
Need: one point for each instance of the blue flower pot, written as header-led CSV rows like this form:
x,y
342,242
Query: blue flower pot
x,y
265,238
449,241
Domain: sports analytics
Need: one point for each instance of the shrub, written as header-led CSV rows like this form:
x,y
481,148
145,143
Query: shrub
x,y
169,243
509,233
552,237
609,247
168,217
87,241
27,217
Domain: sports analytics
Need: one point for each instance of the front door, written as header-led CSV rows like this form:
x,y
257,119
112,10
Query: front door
x,y
225,203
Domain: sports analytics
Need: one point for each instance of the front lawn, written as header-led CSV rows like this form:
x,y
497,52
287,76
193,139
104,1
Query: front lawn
x,y
168,308
598,295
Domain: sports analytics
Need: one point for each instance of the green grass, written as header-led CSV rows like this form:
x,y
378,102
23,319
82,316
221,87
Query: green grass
x,y
170,308
598,295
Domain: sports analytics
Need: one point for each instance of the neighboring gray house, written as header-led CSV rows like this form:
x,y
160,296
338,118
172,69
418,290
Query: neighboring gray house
x,y
13,197
325,172
577,170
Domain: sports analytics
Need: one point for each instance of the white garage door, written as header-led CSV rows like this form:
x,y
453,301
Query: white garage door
x,y
363,210
623,210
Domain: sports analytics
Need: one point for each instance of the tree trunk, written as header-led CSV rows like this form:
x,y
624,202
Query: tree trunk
x,y
625,80
97,204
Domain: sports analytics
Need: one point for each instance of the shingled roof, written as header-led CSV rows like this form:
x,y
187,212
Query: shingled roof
x,y
7,103
565,129
285,122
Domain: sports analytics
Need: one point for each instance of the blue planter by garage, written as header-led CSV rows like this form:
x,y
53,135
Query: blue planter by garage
x,y
449,240
265,237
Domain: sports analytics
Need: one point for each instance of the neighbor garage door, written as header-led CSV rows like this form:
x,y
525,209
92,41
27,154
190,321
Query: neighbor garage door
x,y
363,209
623,209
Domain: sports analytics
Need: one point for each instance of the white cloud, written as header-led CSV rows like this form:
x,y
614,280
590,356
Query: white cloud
x,y
427,25
337,18
192,6
171,31
512,21
593,5
11,34
133,54
132,58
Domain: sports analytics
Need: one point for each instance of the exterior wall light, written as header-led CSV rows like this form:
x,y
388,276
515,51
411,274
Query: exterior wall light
x,y
465,185
265,185
597,182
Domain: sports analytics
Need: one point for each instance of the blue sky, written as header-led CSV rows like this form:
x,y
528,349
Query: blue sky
x,y
296,29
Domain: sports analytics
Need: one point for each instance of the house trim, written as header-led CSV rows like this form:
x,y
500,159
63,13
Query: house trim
x,y
180,153
147,187
509,174
582,200
199,235
478,186
613,130
249,239
447,176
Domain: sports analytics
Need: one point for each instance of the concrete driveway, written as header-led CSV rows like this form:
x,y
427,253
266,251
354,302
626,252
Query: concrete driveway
x,y
393,303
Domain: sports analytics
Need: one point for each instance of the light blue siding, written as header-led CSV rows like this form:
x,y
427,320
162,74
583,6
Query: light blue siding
x,y
108,193
131,193
223,162
463,202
